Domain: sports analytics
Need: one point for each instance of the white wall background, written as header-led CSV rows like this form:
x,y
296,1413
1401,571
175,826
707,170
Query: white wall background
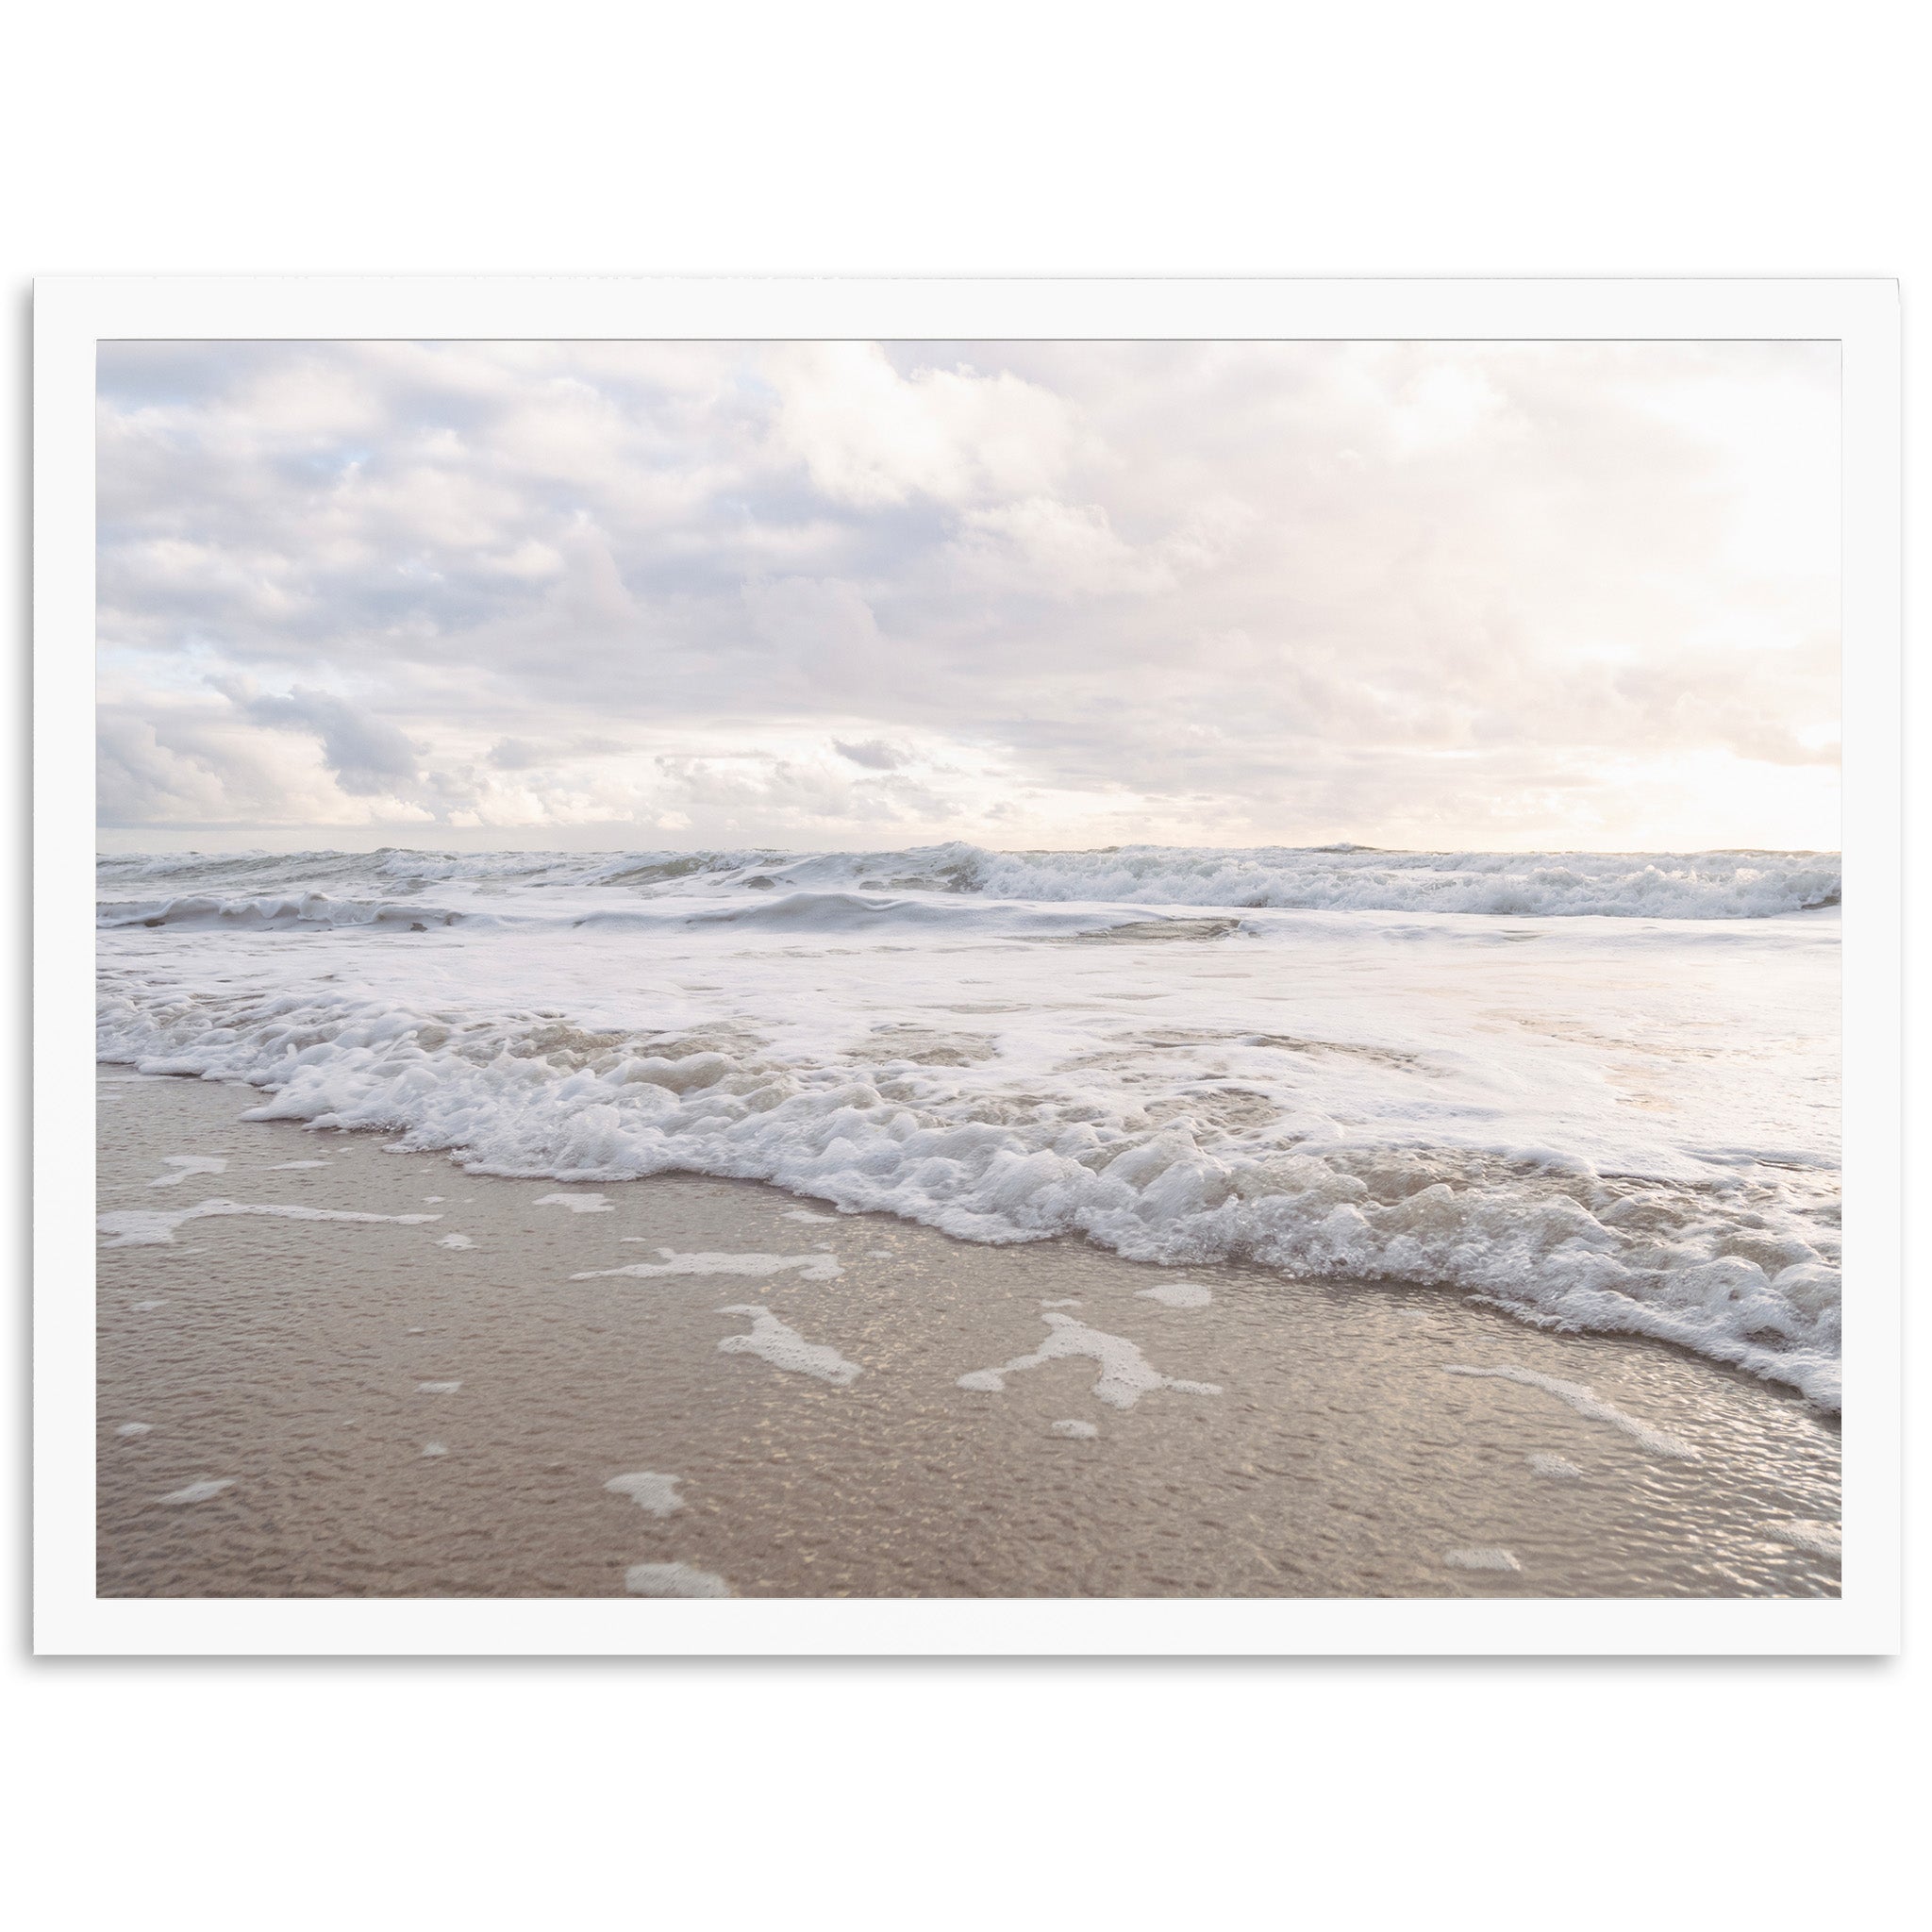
x,y
1510,138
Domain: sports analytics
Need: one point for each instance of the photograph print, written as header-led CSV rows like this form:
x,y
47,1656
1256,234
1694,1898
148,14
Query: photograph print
x,y
986,969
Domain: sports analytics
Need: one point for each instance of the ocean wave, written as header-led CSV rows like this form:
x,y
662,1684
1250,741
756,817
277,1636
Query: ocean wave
x,y
1658,885
802,912
1739,1264
1518,884
201,912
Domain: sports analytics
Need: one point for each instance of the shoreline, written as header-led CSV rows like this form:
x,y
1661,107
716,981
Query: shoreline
x,y
830,1404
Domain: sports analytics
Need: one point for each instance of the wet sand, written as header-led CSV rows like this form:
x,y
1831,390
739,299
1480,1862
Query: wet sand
x,y
389,1414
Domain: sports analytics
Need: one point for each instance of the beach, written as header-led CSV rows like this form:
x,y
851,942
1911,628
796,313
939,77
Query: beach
x,y
460,1397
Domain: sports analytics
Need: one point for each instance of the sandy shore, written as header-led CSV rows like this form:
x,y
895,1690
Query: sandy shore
x,y
438,1407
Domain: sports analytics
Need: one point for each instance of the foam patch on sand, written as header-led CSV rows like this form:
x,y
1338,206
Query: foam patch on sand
x,y
1821,1539
134,1428
187,1164
577,1204
1586,1402
200,1491
1177,1294
805,1214
786,1348
146,1307
137,1228
819,1267
1125,1374
1071,1301
1560,1467
435,1449
456,1241
1078,1432
288,1166
654,1494
438,1388
673,1579
1481,1560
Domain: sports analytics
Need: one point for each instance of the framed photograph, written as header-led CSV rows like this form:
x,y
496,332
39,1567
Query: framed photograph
x,y
967,967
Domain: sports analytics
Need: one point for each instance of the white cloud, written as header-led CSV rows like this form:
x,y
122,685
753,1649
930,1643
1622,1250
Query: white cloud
x,y
820,628
1056,593
870,434
875,753
368,757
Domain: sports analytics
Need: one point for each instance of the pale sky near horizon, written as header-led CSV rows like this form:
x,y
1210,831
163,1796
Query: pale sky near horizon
x,y
1507,596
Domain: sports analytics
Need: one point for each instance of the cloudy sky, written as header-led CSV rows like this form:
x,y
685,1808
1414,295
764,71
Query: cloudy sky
x,y
1051,595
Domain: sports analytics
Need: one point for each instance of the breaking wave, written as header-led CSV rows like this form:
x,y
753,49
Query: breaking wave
x,y
1739,1264
1703,885
1598,1089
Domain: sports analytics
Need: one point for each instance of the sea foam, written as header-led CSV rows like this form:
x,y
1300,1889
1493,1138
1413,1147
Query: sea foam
x,y
673,1580
1586,1402
807,1267
200,1491
656,1495
1125,1374
135,1227
783,1347
1598,1090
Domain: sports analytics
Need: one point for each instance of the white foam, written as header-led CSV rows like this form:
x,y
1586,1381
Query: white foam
x,y
286,1166
1070,1300
786,1348
1821,1539
200,1491
1177,1294
134,1428
674,1579
438,1388
656,1495
146,1307
1125,1374
1464,1092
805,1214
821,1267
456,1241
577,1204
1586,1402
435,1449
143,1228
430,1200
1079,1432
1481,1560
187,1164
1558,1466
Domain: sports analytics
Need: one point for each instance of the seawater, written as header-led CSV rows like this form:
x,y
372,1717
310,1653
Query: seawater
x,y
1600,1090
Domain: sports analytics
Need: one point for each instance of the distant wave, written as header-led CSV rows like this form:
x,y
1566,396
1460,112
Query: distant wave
x,y
802,912
1700,885
202,912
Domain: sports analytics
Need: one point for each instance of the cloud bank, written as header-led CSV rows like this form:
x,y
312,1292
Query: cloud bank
x,y
1055,594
